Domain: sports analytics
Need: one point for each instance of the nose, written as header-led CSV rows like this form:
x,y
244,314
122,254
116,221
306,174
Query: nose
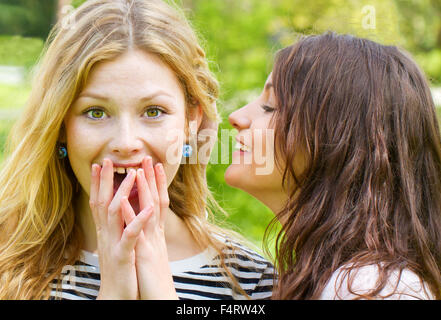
x,y
126,141
239,120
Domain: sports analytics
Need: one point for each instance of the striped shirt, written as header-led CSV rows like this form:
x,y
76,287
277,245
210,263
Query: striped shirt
x,y
196,278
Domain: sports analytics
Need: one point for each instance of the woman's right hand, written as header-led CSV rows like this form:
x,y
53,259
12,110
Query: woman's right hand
x,y
155,279
115,243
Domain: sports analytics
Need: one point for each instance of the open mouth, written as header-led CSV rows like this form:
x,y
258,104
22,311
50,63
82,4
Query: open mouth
x,y
119,174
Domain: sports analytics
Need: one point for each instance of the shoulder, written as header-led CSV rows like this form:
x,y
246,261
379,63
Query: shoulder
x,y
249,267
404,285
219,273
243,253
80,281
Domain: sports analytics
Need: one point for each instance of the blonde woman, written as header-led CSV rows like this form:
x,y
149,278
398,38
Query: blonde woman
x,y
93,203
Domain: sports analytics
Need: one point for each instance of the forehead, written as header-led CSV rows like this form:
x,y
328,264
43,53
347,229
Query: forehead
x,y
133,73
269,82
268,88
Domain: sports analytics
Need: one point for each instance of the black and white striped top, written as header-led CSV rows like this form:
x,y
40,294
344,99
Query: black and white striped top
x,y
196,278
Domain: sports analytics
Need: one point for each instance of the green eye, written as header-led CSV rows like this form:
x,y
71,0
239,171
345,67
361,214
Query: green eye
x,y
153,112
96,114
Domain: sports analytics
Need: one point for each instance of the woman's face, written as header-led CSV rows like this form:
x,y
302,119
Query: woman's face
x,y
128,109
253,167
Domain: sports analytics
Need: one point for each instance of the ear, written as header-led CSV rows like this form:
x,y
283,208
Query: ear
x,y
195,115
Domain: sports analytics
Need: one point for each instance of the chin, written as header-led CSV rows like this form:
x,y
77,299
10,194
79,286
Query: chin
x,y
230,178
244,177
234,177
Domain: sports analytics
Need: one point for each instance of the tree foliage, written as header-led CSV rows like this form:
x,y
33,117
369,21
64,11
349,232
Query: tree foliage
x,y
242,36
29,18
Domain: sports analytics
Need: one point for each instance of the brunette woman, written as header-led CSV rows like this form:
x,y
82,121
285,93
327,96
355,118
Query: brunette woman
x,y
357,178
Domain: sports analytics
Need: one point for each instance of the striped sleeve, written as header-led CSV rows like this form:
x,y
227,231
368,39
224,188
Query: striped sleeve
x,y
80,281
254,275
253,269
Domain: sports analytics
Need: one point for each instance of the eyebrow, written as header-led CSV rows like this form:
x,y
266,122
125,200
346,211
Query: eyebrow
x,y
148,97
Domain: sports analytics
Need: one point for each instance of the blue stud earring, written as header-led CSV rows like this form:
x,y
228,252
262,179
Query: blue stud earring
x,y
62,152
187,151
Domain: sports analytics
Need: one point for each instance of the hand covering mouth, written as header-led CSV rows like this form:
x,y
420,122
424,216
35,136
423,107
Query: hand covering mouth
x,y
133,197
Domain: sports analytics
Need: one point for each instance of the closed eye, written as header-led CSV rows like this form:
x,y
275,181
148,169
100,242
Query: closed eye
x,y
267,108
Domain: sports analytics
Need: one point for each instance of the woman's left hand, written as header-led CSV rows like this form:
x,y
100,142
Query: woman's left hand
x,y
155,281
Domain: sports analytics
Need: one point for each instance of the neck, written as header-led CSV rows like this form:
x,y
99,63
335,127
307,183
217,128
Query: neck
x,y
180,242
275,201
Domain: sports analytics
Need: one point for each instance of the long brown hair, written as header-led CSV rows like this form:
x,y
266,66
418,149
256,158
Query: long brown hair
x,y
371,191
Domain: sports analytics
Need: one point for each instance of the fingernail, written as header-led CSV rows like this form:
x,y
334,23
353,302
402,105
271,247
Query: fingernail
x,y
160,168
107,162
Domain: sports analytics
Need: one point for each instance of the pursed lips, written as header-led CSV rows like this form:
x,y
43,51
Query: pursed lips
x,y
242,146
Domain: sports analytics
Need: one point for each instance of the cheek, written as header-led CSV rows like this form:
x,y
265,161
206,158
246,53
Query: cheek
x,y
82,148
244,177
170,158
167,146
81,141
257,169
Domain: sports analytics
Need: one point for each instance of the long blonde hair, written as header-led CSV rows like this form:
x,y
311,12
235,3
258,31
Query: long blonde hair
x,y
39,232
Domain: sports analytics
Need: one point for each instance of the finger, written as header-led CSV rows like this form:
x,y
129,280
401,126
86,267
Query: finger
x,y
144,195
115,218
164,200
106,186
127,210
133,230
93,193
124,189
147,164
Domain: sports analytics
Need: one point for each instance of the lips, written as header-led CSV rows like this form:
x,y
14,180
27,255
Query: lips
x,y
242,146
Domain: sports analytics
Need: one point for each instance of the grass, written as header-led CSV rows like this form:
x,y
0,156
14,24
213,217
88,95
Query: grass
x,y
5,126
12,99
438,113
13,96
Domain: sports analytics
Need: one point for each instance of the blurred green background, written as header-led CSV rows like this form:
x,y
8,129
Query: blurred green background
x,y
240,38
